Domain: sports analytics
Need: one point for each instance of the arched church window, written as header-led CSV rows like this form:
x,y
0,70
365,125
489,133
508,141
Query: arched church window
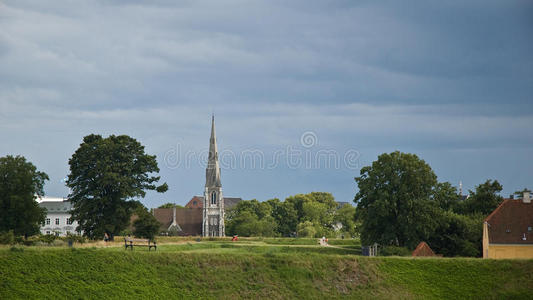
x,y
214,198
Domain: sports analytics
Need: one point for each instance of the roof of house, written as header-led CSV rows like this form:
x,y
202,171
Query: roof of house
x,y
189,219
511,223
423,249
56,205
198,202
195,202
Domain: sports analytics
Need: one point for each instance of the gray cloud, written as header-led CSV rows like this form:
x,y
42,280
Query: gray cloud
x,y
450,80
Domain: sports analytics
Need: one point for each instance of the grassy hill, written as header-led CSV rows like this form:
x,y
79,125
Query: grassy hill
x,y
251,269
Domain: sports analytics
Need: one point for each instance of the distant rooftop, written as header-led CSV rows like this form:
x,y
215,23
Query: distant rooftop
x,y
51,199
55,204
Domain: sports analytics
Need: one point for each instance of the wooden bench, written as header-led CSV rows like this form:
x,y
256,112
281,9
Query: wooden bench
x,y
130,242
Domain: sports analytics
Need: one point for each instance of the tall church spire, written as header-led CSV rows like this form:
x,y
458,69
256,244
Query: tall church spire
x,y
213,215
212,173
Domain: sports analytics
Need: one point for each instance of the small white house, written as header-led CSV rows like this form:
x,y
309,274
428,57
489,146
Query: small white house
x,y
57,219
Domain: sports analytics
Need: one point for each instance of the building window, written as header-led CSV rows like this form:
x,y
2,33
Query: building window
x,y
69,221
530,229
194,203
214,198
57,233
47,221
48,232
57,221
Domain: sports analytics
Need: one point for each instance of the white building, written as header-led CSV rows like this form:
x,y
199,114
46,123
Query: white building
x,y
57,219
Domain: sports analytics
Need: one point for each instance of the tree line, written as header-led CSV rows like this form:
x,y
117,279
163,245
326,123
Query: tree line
x,y
304,215
107,178
399,201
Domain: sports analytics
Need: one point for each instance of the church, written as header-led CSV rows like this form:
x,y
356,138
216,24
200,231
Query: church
x,y
203,215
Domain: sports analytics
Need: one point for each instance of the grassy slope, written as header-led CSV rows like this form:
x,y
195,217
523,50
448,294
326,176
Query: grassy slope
x,y
252,269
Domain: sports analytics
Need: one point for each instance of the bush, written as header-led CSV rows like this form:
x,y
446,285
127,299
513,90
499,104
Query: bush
x,y
58,242
306,229
146,226
126,232
28,243
47,238
16,249
7,238
394,251
75,238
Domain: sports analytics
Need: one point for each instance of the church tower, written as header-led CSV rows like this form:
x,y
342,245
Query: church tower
x,y
213,215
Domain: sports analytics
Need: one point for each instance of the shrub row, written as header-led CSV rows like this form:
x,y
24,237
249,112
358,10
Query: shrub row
x,y
8,238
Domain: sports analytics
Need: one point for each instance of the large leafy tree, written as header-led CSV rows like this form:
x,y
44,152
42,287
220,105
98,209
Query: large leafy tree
x,y
251,218
317,208
446,196
285,215
457,235
105,174
20,184
394,200
346,216
484,199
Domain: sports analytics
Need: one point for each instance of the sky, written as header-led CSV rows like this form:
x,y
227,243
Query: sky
x,y
304,93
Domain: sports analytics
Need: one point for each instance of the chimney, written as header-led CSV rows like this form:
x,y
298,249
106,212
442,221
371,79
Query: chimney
x,y
526,198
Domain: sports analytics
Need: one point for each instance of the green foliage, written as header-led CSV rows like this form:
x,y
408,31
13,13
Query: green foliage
x,y
401,203
251,218
146,225
75,238
170,205
285,216
484,200
306,229
346,216
47,238
446,197
394,251
275,218
7,238
19,185
458,235
393,202
104,174
16,249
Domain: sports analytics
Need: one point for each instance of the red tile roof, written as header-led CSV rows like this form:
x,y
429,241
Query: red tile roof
x,y
423,249
198,202
195,202
511,222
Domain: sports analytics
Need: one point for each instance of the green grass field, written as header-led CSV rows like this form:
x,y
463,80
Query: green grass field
x,y
252,268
